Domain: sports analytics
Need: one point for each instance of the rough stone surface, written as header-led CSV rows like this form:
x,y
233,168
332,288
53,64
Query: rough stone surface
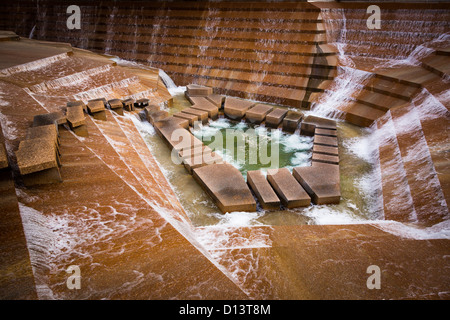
x,y
321,181
267,197
258,113
226,186
289,191
275,118
36,155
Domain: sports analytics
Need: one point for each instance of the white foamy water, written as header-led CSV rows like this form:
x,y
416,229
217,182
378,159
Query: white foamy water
x,y
34,65
348,83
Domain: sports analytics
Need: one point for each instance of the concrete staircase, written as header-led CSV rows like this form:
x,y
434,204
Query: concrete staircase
x,y
274,52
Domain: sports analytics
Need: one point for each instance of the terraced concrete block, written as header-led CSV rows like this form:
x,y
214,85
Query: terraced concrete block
x,y
291,121
236,108
267,197
290,192
275,118
226,186
321,181
36,155
258,113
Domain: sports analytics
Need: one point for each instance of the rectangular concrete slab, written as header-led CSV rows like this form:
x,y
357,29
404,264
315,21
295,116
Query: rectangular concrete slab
x,y
267,197
290,192
36,155
333,151
326,132
75,116
226,186
258,113
198,90
236,108
95,106
326,141
321,181
275,118
325,158
291,121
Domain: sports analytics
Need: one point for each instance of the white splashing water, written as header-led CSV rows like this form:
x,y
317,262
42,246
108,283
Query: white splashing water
x,y
346,84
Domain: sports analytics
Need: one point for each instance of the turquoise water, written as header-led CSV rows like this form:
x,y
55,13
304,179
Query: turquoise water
x,y
253,147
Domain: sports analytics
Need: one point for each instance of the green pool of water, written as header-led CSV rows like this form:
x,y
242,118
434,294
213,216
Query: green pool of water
x,y
253,147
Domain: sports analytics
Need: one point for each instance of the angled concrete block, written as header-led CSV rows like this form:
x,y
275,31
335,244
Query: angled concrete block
x,y
321,181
